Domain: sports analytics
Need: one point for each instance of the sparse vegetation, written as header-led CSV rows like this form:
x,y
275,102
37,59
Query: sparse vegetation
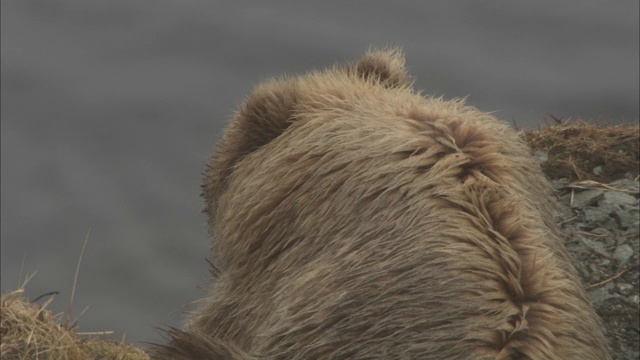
x,y
31,331
578,150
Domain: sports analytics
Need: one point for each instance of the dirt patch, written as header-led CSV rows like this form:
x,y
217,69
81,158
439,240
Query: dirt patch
x,y
579,150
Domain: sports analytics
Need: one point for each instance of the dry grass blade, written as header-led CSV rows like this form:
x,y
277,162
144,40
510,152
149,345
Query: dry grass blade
x,y
75,280
590,184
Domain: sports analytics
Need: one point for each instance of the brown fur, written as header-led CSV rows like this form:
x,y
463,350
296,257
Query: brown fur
x,y
354,218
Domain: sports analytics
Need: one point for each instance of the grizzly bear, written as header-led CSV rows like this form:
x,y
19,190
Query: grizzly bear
x,y
353,218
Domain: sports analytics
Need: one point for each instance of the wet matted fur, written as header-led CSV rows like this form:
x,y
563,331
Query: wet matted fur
x,y
352,217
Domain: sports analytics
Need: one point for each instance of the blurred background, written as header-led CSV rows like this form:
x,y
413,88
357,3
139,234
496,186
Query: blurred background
x,y
110,110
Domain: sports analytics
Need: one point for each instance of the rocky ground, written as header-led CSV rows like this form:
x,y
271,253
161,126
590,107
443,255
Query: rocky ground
x,y
602,228
595,173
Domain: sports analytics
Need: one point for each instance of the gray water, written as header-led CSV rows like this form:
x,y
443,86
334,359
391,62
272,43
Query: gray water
x,y
110,110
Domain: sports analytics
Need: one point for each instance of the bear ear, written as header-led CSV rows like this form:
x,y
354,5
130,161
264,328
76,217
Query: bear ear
x,y
386,67
263,116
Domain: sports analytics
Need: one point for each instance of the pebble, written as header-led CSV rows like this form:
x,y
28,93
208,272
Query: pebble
x,y
541,156
596,216
628,185
599,295
559,184
629,219
623,254
597,170
625,289
612,198
601,232
596,246
586,198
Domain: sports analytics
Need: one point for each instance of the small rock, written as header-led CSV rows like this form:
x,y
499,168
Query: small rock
x,y
597,170
627,184
596,246
601,294
541,156
632,232
601,232
564,212
595,216
628,219
586,198
616,198
596,269
623,254
560,183
625,289
584,271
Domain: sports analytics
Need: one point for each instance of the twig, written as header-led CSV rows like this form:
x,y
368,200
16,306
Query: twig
x,y
571,201
592,234
569,220
632,236
574,167
609,279
590,184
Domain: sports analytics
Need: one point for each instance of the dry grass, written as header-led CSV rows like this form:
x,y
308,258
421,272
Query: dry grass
x,y
31,331
576,148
